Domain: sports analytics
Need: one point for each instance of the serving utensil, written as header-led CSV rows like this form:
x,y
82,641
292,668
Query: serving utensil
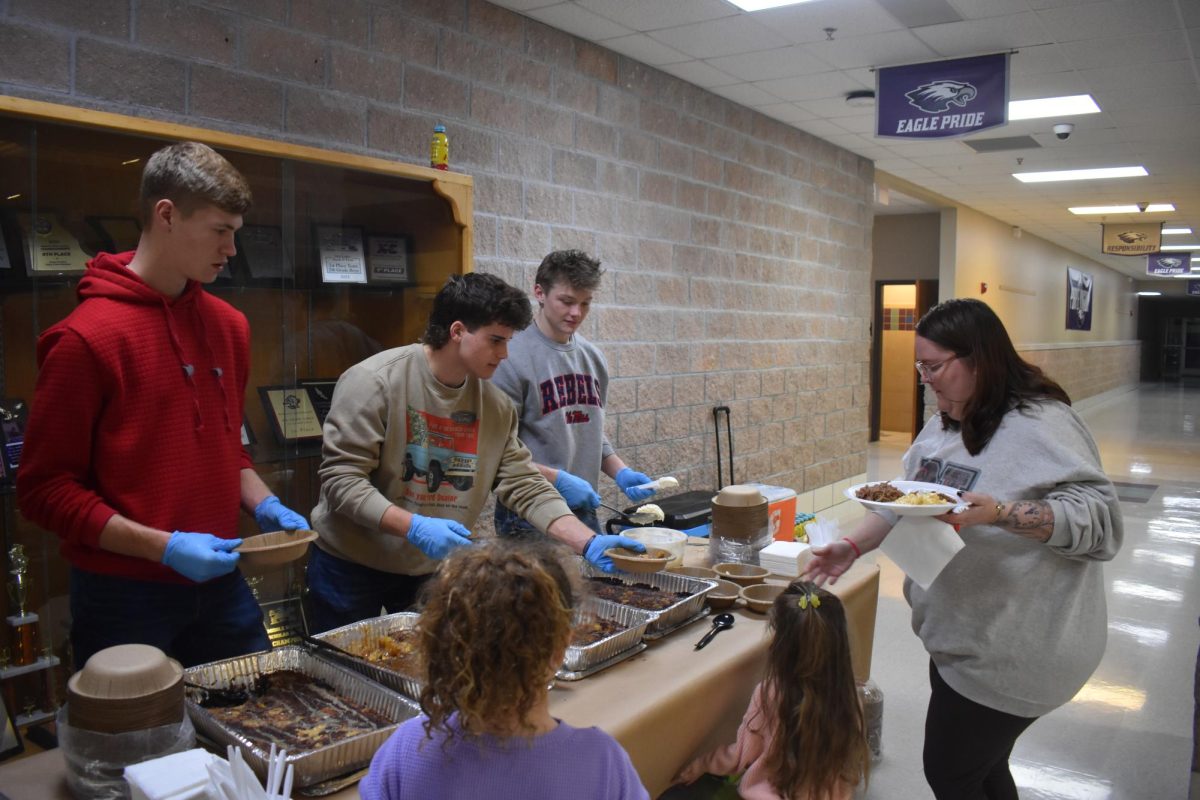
x,y
321,644
720,622
636,517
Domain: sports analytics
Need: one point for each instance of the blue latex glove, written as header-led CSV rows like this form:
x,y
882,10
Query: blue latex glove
x,y
436,537
594,552
272,515
627,479
200,556
576,491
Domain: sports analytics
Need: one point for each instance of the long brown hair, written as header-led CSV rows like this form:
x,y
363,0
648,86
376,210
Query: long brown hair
x,y
495,616
1003,380
821,736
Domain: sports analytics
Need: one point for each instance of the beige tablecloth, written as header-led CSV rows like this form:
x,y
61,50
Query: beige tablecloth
x,y
664,705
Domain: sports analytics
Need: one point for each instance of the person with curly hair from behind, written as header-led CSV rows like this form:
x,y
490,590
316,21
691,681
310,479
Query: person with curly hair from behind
x,y
495,626
803,736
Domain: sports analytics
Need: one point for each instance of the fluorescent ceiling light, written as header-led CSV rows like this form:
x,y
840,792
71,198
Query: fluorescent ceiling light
x,y
1180,247
1052,107
760,5
1175,231
1080,174
1126,209
1149,294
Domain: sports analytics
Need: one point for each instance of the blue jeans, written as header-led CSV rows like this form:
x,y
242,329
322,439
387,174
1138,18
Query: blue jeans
x,y
193,624
341,592
509,523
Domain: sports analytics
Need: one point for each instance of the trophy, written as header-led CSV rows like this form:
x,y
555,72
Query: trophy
x,y
23,622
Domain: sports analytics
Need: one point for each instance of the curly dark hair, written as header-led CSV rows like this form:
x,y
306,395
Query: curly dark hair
x,y
496,617
475,300
574,267
1003,380
191,174
821,735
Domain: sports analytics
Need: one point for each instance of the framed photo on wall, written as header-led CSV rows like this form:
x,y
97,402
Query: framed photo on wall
x,y
1079,300
261,251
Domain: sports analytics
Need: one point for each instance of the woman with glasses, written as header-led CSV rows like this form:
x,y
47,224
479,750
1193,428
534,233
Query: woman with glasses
x,y
1016,623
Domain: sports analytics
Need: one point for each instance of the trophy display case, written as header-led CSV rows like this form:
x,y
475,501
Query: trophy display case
x,y
340,257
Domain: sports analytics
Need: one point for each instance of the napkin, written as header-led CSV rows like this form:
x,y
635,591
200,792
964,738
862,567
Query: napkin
x,y
785,558
922,547
179,776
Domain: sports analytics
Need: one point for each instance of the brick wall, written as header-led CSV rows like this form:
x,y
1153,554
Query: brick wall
x,y
1087,371
737,248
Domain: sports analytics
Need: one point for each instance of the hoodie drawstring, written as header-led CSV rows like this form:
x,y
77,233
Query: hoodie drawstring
x,y
217,372
189,370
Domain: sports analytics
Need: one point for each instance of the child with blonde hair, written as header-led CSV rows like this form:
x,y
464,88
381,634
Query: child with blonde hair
x,y
494,629
803,736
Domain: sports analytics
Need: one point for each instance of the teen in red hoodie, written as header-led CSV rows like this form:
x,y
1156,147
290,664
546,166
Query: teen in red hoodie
x,y
133,450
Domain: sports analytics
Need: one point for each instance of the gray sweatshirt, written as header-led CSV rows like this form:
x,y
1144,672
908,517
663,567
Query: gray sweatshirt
x,y
560,391
397,436
1011,623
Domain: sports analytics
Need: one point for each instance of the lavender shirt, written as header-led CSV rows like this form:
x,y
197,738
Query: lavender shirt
x,y
580,763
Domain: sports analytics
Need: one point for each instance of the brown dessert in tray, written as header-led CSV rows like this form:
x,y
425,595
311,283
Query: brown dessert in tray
x,y
398,651
299,713
593,630
638,595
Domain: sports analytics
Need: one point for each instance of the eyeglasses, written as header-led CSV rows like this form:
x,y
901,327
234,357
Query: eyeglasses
x,y
927,371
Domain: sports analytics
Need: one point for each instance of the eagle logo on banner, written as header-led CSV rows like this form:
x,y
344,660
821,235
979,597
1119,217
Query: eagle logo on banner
x,y
936,97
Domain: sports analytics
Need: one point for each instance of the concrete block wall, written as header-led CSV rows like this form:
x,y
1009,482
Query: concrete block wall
x,y
737,249
1088,371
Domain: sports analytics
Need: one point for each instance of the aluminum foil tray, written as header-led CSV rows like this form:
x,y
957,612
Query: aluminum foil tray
x,y
661,632
673,614
347,636
635,620
312,766
566,675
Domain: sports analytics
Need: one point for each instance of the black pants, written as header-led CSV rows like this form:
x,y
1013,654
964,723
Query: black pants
x,y
967,746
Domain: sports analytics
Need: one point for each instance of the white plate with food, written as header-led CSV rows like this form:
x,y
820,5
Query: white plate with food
x,y
907,498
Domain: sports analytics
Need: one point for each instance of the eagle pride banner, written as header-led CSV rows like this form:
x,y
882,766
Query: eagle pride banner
x,y
1168,263
1131,238
942,98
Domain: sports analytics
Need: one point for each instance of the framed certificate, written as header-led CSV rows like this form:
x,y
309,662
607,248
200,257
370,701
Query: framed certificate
x,y
320,394
117,234
248,439
50,248
262,252
387,260
340,253
291,413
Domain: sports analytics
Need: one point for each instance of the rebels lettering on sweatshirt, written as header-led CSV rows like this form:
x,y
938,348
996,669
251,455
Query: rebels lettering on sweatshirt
x,y
559,391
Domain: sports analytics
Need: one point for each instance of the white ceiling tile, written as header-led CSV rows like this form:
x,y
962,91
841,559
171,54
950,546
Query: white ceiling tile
x,y
820,127
699,74
975,9
979,36
806,22
640,15
1056,84
786,112
746,94
641,47
578,21
811,87
721,37
1142,48
1102,20
859,123
1038,60
873,50
525,5
767,64
835,108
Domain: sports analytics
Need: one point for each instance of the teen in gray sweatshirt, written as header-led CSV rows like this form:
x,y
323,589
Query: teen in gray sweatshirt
x,y
1016,623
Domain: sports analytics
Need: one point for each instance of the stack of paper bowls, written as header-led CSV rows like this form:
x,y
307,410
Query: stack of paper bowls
x,y
129,687
740,512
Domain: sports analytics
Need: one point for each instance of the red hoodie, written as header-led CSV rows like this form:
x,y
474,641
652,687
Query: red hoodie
x,y
138,412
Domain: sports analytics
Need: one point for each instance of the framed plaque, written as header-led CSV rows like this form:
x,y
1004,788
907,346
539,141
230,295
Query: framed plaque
x,y
340,253
248,439
291,413
387,259
117,234
320,394
262,252
10,737
51,248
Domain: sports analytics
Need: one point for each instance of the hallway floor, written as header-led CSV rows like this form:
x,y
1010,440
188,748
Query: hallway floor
x,y
1129,731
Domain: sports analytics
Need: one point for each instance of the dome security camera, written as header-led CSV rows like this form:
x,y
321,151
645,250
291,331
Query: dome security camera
x,y
1063,130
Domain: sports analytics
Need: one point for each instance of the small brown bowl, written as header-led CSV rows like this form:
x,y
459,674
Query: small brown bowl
x,y
653,560
741,574
761,597
724,596
704,573
275,548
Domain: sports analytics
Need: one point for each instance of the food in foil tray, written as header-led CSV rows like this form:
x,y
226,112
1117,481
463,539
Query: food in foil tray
x,y
593,630
298,713
638,595
398,651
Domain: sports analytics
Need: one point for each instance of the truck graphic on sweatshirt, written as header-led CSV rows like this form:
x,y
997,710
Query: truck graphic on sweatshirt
x,y
441,451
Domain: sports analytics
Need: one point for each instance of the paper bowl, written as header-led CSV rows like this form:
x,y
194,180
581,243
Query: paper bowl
x,y
126,688
725,595
670,540
741,574
653,560
739,496
761,597
275,548
703,573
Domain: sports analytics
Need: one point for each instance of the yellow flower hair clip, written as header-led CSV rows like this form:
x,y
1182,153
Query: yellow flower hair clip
x,y
809,600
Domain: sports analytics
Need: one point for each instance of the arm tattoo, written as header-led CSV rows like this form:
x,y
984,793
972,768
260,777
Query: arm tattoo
x,y
1033,519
